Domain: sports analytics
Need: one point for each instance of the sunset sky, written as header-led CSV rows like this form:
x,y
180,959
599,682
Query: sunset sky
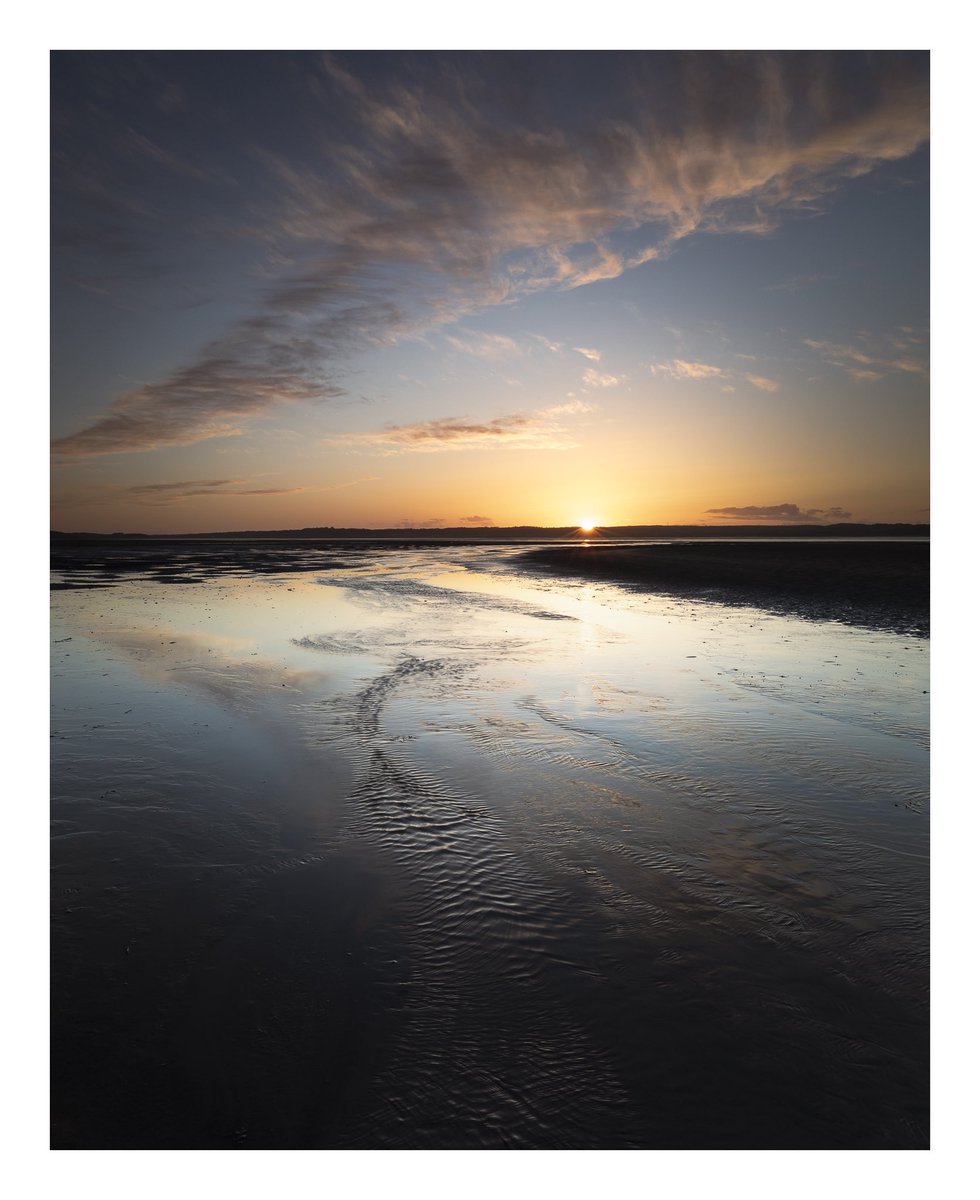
x,y
381,289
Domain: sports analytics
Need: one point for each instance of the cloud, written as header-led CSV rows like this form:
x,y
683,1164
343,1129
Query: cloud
x,y
518,431
476,520
789,513
179,486
485,345
902,351
760,381
450,433
594,378
593,355
554,347
679,369
573,406
215,397
142,147
411,201
270,491
159,495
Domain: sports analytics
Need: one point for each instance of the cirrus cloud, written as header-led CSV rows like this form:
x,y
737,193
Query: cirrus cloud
x,y
761,382
593,379
679,369
413,203
517,431
902,351
485,345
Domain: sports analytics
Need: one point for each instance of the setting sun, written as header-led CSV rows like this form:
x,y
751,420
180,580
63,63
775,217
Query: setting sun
x,y
587,525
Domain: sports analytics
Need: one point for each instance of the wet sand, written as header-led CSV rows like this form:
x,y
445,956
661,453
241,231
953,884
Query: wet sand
x,y
863,582
877,585
102,562
432,851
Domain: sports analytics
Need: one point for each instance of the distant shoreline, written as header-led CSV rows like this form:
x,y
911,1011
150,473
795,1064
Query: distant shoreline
x,y
529,533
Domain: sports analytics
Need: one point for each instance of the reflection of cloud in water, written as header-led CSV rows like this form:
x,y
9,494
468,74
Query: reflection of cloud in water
x,y
212,664
384,591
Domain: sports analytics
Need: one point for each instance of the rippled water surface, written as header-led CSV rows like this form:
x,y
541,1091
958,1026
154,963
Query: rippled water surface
x,y
424,850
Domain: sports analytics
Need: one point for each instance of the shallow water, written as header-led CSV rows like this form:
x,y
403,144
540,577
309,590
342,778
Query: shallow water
x,y
432,852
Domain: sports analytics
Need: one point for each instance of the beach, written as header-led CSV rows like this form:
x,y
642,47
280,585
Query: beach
x,y
471,847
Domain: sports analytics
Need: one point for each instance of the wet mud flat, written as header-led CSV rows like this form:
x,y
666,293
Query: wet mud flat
x,y
79,562
876,585
435,852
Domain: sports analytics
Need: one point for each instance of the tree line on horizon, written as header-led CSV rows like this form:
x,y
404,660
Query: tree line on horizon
x,y
495,532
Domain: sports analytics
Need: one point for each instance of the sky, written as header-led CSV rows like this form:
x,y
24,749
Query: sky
x,y
462,289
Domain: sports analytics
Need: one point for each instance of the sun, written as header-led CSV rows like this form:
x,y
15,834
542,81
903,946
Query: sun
x,y
587,525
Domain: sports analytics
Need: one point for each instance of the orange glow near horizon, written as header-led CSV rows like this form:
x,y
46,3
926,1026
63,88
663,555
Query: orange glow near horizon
x,y
417,330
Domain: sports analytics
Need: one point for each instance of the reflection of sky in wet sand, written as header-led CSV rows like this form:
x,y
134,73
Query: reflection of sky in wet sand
x,y
594,792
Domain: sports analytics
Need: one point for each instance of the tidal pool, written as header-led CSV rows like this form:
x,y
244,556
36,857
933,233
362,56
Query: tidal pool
x,y
429,851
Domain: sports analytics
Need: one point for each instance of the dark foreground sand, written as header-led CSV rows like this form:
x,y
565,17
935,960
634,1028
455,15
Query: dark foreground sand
x,y
877,585
389,864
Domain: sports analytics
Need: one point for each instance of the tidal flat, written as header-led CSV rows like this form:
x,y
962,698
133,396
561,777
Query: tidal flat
x,y
436,847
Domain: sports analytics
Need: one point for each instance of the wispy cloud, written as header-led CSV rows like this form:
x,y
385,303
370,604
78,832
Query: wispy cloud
x,y
517,431
476,520
141,146
159,495
436,205
554,347
760,381
874,358
215,397
679,369
789,513
572,406
593,379
593,355
485,345
182,485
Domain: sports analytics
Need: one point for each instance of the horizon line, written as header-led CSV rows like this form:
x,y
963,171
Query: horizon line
x,y
478,530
